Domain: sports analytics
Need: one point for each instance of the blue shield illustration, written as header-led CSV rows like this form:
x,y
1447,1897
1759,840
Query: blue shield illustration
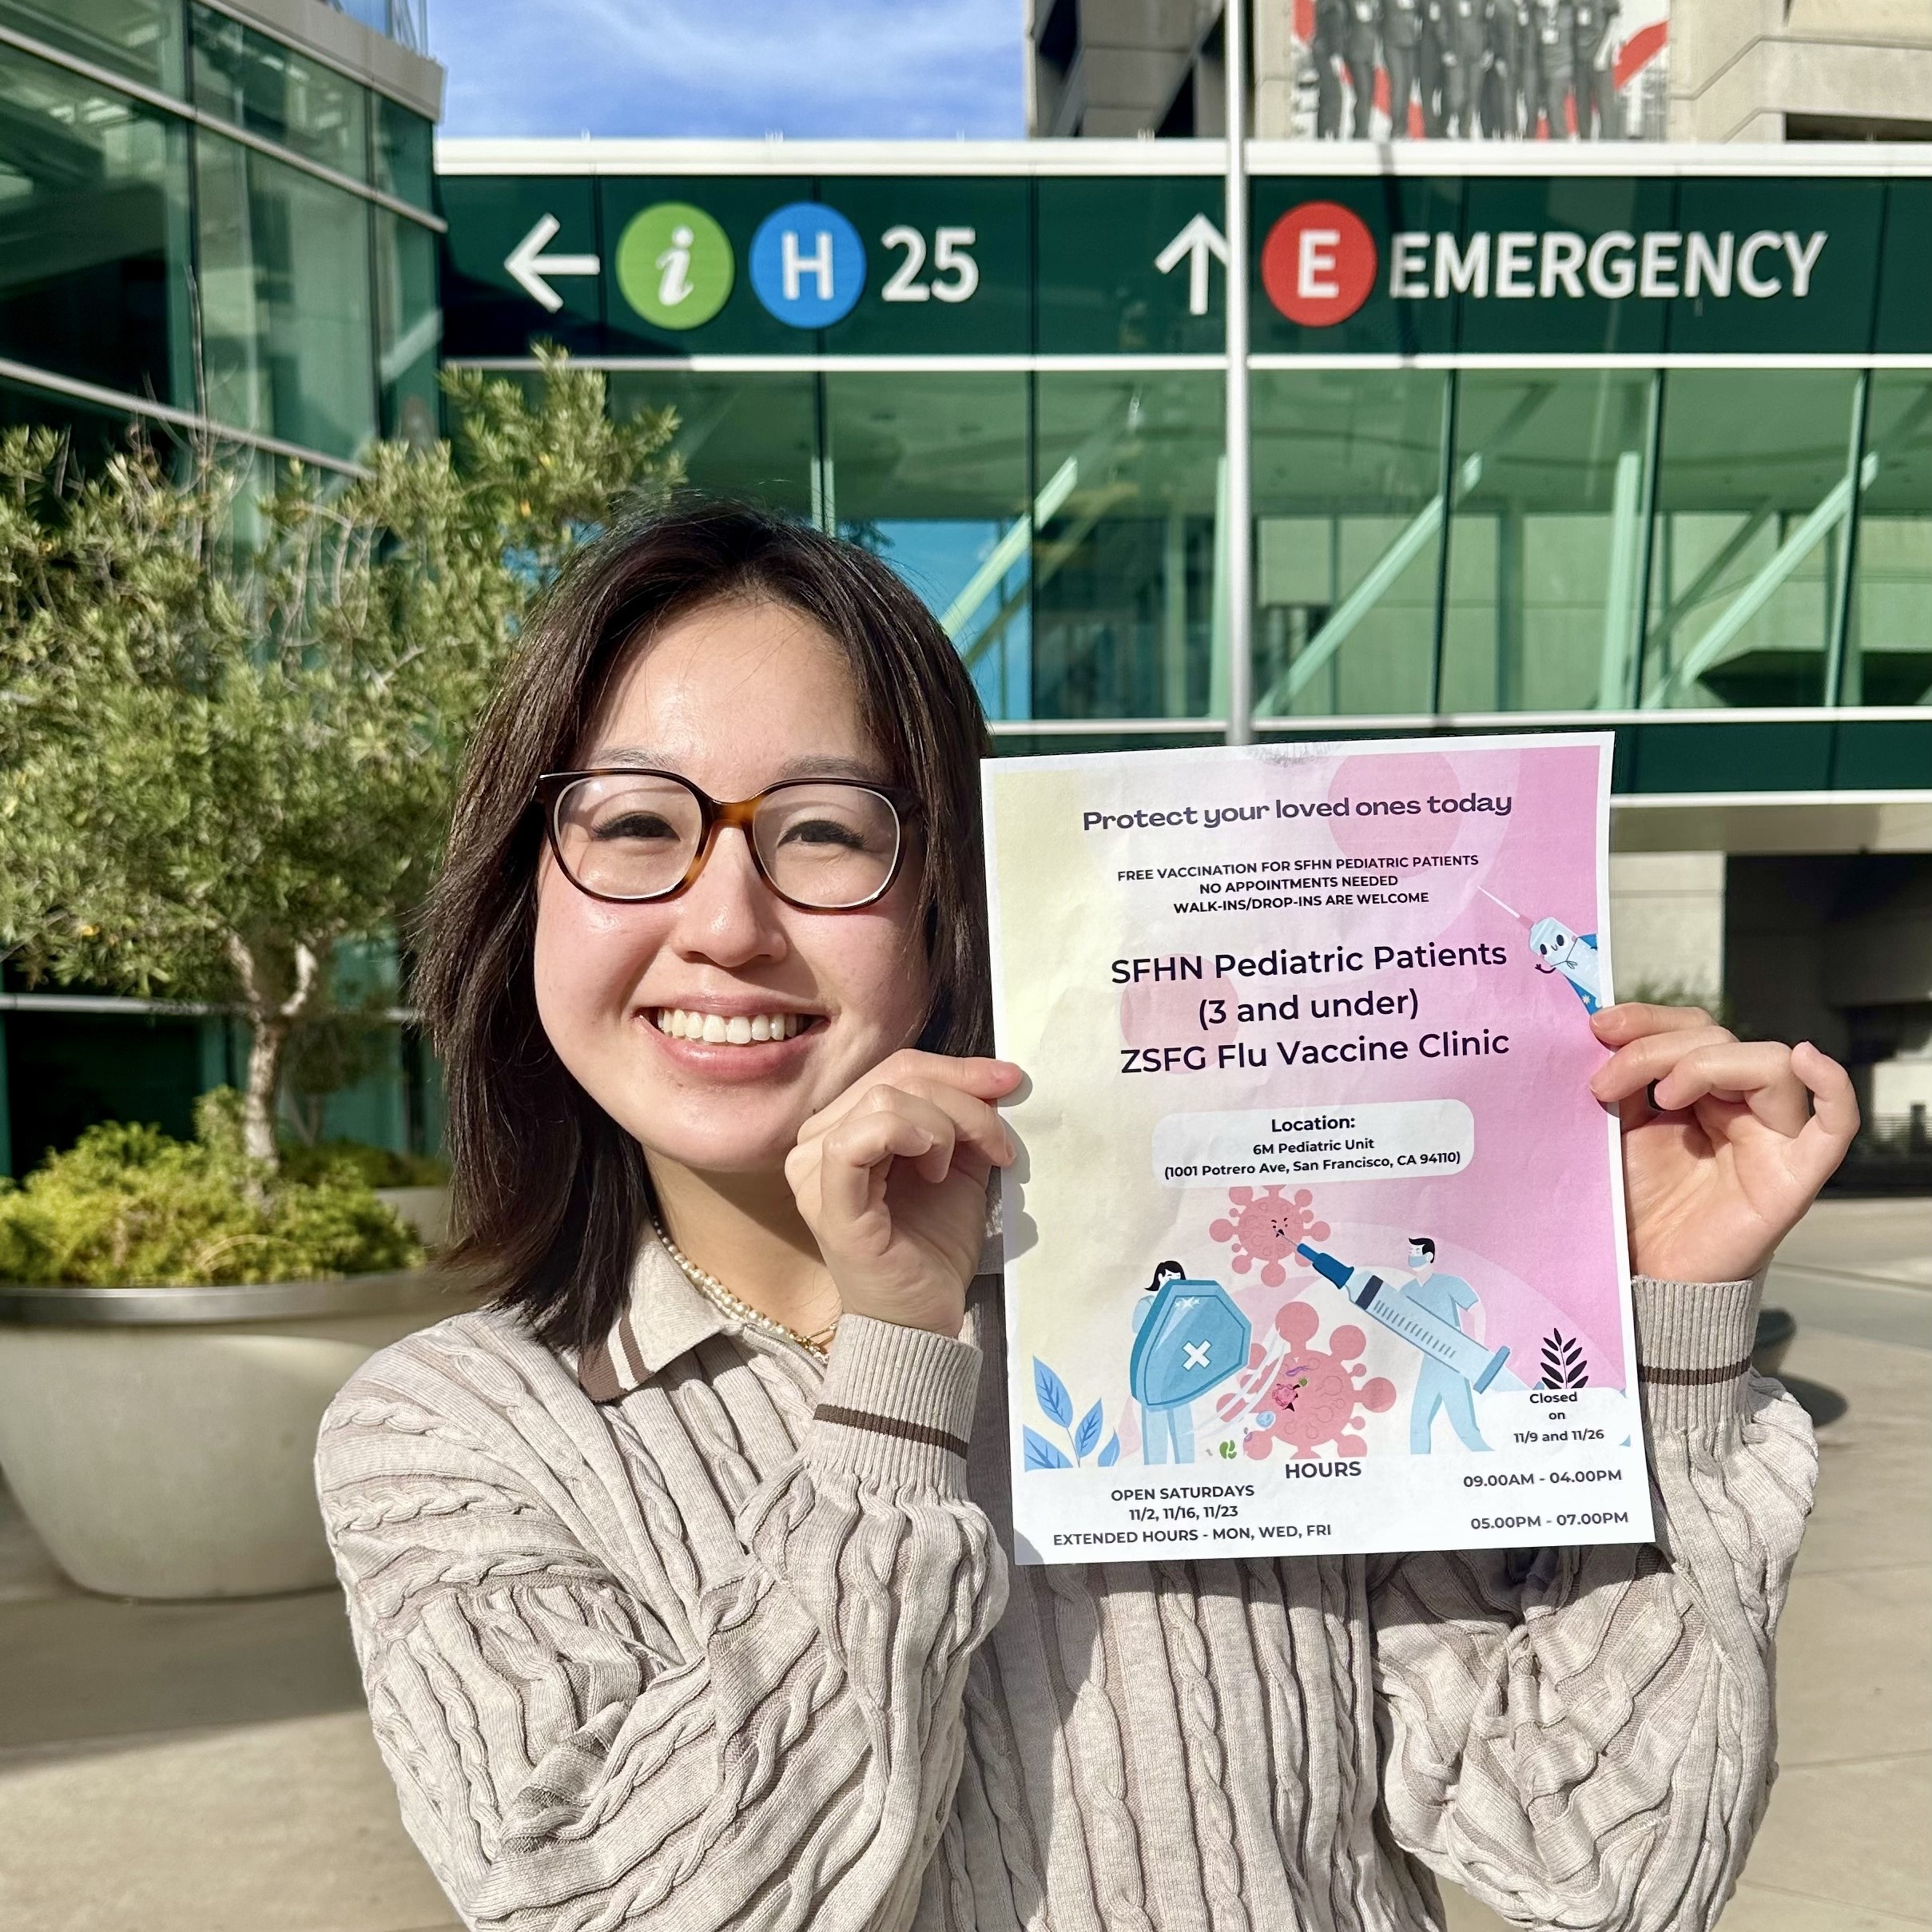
x,y
1193,1339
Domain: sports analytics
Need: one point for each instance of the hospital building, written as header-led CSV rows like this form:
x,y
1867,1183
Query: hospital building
x,y
1627,434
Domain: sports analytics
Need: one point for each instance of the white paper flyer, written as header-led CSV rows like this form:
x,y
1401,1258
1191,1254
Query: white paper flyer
x,y
1316,1242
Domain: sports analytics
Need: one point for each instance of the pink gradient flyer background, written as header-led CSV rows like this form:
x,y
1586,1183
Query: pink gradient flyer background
x,y
1479,866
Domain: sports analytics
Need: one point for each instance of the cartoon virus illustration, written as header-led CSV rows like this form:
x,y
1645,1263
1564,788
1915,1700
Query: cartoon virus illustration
x,y
1310,1398
1266,1228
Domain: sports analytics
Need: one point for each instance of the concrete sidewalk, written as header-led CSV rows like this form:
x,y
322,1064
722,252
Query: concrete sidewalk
x,y
1845,1846
207,1767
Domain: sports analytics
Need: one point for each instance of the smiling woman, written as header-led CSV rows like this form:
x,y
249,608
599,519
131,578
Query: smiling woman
x,y
678,1575
854,733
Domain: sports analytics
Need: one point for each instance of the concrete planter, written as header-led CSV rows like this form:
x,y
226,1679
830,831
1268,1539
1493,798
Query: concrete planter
x,y
425,1209
161,1440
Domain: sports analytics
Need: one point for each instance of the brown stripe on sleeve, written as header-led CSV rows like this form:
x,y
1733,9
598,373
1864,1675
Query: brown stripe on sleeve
x,y
1692,1378
890,1425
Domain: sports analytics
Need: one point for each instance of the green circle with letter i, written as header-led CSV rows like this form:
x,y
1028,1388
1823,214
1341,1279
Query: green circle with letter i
x,y
675,265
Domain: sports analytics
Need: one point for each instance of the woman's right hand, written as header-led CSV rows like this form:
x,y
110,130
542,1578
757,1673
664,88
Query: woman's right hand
x,y
891,1179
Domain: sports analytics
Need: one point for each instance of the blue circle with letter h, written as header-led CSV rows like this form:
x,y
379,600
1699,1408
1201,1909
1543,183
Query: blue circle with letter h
x,y
808,264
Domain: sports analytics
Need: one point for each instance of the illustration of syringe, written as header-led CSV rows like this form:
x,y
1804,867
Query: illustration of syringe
x,y
1571,954
1420,1327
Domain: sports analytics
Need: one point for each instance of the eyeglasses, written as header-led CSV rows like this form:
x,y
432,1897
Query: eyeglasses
x,y
628,834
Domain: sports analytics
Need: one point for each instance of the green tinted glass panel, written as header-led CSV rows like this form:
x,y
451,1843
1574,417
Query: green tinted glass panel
x,y
1889,661
753,437
1348,480
404,149
411,327
1100,290
1546,550
273,91
141,39
1747,547
1129,588
93,232
286,321
930,471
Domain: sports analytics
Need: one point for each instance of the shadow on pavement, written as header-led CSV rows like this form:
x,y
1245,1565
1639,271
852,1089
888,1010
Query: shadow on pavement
x,y
74,1669
1823,1405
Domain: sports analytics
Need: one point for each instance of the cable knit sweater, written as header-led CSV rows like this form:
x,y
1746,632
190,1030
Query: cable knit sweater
x,y
690,1635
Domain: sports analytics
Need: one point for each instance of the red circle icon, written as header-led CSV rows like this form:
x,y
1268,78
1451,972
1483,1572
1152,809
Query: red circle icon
x,y
1318,263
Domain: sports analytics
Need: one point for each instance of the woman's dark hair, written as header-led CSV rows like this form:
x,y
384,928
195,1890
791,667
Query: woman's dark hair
x,y
549,1195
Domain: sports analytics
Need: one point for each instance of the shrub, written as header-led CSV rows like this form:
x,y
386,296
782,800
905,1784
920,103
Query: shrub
x,y
379,1167
128,1204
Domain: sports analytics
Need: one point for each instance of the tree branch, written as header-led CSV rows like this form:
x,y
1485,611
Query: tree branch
x,y
308,972
243,961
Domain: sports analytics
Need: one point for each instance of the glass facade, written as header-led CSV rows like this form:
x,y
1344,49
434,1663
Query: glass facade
x,y
299,253
409,323
93,210
141,39
1061,526
1426,541
402,152
287,320
1348,497
200,223
1888,655
1569,440
280,94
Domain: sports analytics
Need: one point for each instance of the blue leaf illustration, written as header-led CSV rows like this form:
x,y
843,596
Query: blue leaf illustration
x,y
1041,1454
1052,1394
1088,1433
1110,1454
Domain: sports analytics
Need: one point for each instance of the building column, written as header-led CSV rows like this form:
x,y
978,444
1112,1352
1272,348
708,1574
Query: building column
x,y
1666,926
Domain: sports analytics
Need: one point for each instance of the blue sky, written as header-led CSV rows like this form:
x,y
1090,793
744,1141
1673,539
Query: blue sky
x,y
881,69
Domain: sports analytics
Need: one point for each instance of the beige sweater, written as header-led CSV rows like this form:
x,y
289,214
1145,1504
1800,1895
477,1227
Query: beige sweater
x,y
690,1636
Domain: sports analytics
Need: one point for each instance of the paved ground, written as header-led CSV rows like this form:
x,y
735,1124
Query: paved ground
x,y
1845,1846
207,1767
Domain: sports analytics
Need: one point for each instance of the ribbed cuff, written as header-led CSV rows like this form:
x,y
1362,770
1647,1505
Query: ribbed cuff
x,y
897,1403
1694,1344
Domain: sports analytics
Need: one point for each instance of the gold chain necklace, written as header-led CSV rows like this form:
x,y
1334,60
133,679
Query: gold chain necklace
x,y
818,1345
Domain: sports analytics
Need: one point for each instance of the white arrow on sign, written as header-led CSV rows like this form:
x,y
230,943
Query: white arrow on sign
x,y
1198,240
528,264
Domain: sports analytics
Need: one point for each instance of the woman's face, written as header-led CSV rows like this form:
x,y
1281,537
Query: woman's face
x,y
735,696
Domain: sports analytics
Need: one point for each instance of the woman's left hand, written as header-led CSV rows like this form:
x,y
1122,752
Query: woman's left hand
x,y
1742,1135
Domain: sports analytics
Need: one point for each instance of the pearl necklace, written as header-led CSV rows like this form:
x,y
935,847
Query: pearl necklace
x,y
818,1345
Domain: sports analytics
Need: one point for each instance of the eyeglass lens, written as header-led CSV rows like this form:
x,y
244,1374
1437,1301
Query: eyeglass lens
x,y
633,835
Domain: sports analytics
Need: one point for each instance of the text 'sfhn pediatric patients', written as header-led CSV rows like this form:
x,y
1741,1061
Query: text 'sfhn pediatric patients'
x,y
1319,1242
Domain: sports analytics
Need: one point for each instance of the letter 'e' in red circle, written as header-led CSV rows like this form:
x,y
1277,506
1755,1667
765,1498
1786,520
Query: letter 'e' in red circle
x,y
1318,263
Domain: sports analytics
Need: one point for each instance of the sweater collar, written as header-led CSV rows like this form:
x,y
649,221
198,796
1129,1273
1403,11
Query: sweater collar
x,y
667,1317
664,1318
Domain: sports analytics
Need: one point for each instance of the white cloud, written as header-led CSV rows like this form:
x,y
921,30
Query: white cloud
x,y
879,69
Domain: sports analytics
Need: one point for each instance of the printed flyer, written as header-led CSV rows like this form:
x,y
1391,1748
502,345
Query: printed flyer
x,y
1316,1242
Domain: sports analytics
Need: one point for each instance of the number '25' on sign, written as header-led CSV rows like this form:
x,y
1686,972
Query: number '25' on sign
x,y
949,260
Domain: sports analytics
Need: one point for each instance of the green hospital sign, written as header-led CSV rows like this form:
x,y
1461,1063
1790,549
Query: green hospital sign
x,y
1639,265
1688,264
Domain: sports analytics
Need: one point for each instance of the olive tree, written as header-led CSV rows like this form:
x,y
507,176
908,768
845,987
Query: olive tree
x,y
233,707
